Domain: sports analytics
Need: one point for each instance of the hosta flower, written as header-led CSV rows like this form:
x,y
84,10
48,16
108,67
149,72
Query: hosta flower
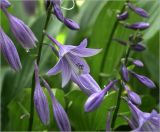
x,y
138,10
21,32
9,51
142,121
138,63
4,4
58,13
138,47
86,83
40,100
133,97
124,73
144,80
122,16
138,26
59,113
71,62
96,99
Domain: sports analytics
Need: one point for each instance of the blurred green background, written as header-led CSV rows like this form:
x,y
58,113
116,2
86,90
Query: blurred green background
x,y
97,20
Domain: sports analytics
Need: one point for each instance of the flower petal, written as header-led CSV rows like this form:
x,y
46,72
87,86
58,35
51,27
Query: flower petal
x,y
83,44
85,52
78,64
55,69
66,72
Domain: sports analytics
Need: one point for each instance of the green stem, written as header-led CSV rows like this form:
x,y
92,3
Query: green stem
x,y
30,125
119,95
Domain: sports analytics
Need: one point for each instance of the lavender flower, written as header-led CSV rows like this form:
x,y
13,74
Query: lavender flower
x,y
58,13
144,80
138,26
96,99
9,51
30,6
86,83
122,16
5,4
124,73
59,113
70,61
133,97
138,47
142,121
71,24
21,31
138,63
40,100
138,10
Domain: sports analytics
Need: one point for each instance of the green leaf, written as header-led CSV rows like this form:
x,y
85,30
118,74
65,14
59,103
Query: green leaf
x,y
95,120
19,112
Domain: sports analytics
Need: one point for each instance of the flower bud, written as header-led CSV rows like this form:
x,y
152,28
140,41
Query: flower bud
x,y
133,97
138,26
144,80
22,32
40,100
5,4
9,51
138,10
96,99
124,73
138,47
58,13
71,24
122,16
138,63
59,113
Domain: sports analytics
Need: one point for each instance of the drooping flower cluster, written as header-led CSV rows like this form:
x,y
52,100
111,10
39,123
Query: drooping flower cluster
x,y
140,121
21,32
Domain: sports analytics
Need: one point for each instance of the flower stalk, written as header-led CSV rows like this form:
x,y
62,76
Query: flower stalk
x,y
38,61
